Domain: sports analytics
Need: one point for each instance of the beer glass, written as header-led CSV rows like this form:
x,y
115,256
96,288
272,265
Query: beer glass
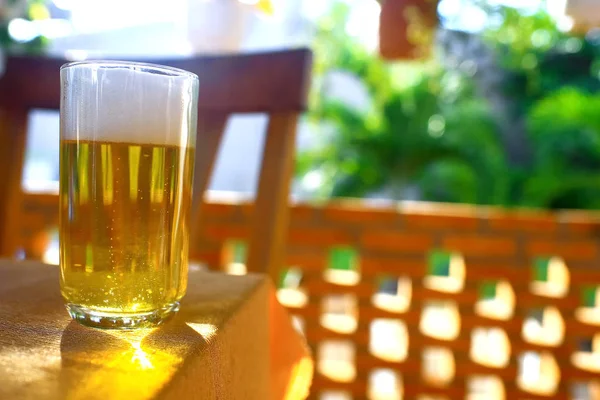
x,y
127,143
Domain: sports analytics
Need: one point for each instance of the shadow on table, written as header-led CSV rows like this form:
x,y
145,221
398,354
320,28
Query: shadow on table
x,y
142,363
136,364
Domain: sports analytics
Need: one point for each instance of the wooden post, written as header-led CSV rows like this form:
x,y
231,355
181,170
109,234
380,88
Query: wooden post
x,y
407,28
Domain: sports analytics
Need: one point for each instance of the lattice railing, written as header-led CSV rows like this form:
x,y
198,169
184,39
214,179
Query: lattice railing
x,y
426,300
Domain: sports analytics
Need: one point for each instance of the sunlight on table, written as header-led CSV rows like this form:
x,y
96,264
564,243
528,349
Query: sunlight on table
x,y
132,367
300,380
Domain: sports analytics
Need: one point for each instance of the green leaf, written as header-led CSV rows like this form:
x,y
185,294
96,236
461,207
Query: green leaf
x,y
343,258
439,263
487,290
588,296
239,249
540,269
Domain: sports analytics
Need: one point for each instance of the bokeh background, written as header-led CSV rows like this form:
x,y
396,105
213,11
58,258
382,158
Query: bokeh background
x,y
502,111
486,102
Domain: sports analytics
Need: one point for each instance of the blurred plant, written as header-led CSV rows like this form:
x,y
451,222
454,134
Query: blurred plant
x,y
431,130
20,12
565,130
551,82
433,133
520,38
538,57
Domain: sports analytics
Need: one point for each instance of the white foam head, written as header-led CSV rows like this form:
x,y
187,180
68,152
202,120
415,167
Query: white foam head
x,y
128,103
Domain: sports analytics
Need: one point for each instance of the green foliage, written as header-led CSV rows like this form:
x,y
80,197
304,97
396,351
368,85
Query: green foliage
x,y
434,128
30,10
336,51
573,138
564,129
431,130
588,296
539,58
399,141
487,290
343,258
521,39
439,263
240,250
540,269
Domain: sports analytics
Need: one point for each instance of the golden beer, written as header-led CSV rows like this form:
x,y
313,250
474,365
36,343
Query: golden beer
x,y
126,173
126,226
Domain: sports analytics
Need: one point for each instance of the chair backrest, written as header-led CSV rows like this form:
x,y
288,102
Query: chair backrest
x,y
274,83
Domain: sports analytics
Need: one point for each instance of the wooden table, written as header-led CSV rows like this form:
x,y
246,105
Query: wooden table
x,y
230,340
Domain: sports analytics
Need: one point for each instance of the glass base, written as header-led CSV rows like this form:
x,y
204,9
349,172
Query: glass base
x,y
107,320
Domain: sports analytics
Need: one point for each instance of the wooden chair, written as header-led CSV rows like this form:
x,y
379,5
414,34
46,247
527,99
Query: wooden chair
x,y
274,83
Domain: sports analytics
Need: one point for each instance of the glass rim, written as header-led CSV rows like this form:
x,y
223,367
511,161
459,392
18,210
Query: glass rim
x,y
152,68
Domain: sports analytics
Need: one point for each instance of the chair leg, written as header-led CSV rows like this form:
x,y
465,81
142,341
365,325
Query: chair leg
x,y
211,128
13,132
271,212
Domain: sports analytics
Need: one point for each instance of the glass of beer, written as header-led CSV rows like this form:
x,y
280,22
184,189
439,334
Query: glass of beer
x,y
127,144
